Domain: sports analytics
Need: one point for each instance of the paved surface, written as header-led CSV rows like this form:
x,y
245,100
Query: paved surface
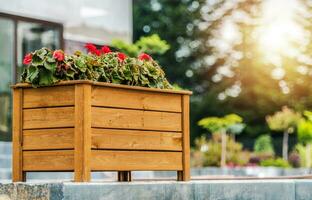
x,y
198,190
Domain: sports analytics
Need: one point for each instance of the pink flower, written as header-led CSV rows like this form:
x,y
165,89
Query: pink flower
x,y
144,56
27,59
58,55
121,56
105,49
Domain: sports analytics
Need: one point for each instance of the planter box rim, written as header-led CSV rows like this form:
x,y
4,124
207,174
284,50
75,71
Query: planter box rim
x,y
112,85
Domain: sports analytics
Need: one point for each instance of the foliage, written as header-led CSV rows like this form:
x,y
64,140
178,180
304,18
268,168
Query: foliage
x,y
278,162
208,152
305,131
216,124
263,144
113,67
149,44
285,120
305,128
301,150
214,73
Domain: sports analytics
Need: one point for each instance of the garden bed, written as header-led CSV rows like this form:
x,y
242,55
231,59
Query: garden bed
x,y
85,126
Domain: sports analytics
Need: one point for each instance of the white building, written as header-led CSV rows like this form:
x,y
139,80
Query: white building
x,y
26,25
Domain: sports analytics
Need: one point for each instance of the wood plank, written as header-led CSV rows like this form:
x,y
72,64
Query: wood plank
x,y
49,96
135,119
62,160
135,160
48,117
17,171
48,139
112,85
82,132
136,140
185,174
124,98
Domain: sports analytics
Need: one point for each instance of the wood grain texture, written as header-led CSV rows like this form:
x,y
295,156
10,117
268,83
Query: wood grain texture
x,y
48,139
17,171
123,98
62,160
186,138
135,119
135,160
136,140
112,85
49,96
48,117
82,132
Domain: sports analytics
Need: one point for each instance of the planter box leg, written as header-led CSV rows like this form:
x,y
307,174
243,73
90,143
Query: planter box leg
x,y
82,152
124,176
17,165
184,175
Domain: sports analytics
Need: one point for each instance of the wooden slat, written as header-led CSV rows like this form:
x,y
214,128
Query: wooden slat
x,y
185,174
136,140
103,84
49,96
17,172
135,160
82,132
135,119
48,160
48,139
48,117
123,98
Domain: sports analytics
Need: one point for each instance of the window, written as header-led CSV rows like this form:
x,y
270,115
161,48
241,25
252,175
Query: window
x,y
18,36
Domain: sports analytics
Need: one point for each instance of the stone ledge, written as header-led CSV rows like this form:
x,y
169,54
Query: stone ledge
x,y
234,189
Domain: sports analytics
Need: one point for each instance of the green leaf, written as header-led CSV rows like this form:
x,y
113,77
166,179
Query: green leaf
x,y
50,66
46,78
37,61
32,72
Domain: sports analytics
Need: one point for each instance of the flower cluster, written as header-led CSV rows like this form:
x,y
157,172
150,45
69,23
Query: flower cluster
x,y
46,67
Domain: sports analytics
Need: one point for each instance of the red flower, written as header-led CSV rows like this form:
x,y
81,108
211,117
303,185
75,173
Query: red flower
x,y
96,52
92,49
58,55
27,59
144,56
105,49
121,56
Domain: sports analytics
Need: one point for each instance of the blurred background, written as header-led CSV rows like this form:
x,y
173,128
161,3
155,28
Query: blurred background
x,y
248,63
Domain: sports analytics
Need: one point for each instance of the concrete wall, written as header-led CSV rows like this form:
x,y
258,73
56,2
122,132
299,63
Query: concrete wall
x,y
198,190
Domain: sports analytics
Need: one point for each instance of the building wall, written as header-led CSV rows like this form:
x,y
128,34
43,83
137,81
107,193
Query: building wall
x,y
97,21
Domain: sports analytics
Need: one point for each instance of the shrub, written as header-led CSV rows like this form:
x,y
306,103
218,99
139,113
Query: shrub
x,y
210,152
46,67
278,162
263,144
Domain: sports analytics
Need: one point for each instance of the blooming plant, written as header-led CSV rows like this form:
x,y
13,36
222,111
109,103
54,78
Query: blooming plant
x,y
45,67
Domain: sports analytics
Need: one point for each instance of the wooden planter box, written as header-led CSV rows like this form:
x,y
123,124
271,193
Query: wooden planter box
x,y
85,126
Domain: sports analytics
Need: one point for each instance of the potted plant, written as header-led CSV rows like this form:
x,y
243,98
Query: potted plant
x,y
101,111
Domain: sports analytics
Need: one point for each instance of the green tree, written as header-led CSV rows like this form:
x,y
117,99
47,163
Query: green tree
x,y
263,144
305,135
284,121
221,125
152,44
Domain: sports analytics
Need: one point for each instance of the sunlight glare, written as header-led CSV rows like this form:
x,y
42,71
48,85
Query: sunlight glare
x,y
278,31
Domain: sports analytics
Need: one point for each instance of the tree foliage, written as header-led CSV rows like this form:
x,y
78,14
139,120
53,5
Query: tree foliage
x,y
263,144
284,120
152,44
217,124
